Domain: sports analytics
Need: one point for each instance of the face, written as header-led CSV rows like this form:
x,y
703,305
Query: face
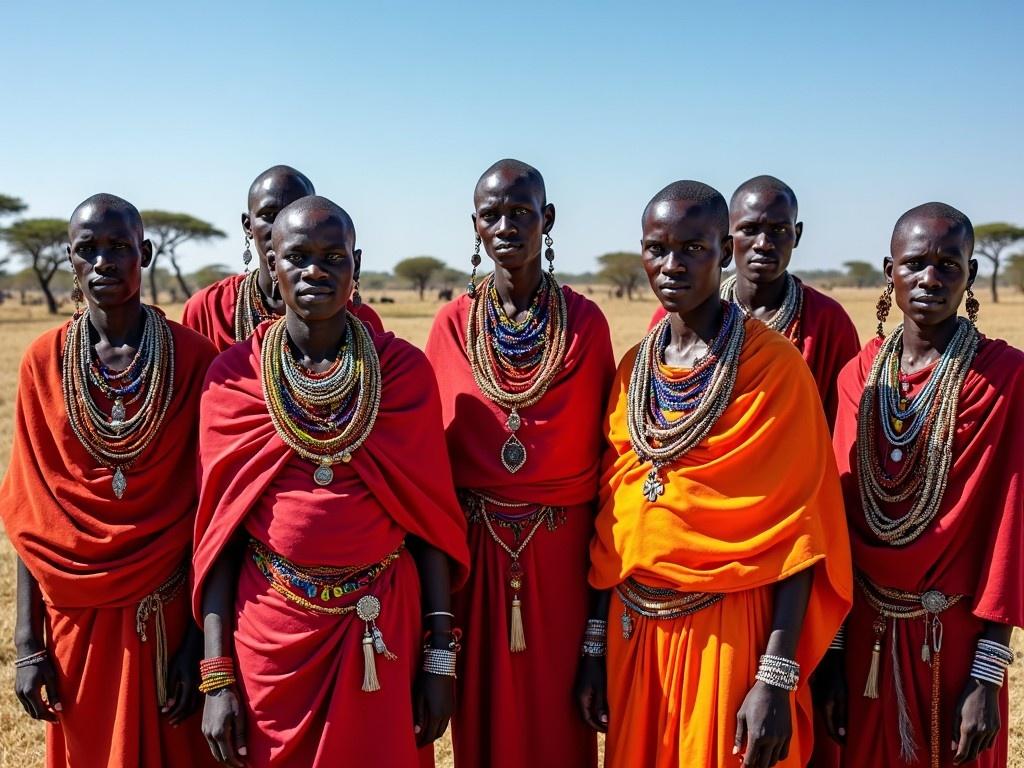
x,y
107,253
511,219
684,252
764,233
270,197
930,268
315,262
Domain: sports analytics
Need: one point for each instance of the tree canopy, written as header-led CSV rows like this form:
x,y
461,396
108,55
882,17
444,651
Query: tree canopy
x,y
167,231
990,240
418,270
622,269
41,244
10,205
863,274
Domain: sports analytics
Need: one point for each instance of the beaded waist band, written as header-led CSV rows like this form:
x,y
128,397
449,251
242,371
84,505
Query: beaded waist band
x,y
316,587
659,603
898,604
153,605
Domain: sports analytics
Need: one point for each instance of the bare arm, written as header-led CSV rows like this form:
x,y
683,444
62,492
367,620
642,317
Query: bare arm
x,y
30,681
592,673
977,720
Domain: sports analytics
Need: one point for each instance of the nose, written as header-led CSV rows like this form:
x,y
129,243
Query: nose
x,y
103,262
762,243
675,263
314,270
930,278
505,227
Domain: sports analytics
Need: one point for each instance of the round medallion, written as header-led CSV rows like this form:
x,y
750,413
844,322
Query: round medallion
x,y
368,608
323,475
934,601
896,454
513,422
513,454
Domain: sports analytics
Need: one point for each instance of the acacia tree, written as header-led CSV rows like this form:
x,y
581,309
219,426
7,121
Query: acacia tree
x,y
1015,270
622,269
863,274
418,270
990,240
41,243
9,205
167,231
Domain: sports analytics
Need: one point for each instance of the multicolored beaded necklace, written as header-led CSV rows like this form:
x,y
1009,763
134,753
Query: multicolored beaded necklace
x,y
786,319
514,363
918,429
700,398
250,309
117,440
323,417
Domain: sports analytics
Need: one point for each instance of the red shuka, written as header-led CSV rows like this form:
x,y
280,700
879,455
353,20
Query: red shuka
x,y
517,709
211,312
971,548
96,557
300,671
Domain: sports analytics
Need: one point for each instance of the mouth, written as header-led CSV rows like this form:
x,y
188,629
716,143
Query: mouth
x,y
507,247
104,282
315,294
928,301
673,287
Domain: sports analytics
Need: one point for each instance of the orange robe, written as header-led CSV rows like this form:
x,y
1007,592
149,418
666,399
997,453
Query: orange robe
x,y
300,672
973,547
517,709
740,513
96,557
211,312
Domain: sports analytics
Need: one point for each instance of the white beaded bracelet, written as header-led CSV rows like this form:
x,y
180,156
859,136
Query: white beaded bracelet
x,y
778,672
991,660
439,661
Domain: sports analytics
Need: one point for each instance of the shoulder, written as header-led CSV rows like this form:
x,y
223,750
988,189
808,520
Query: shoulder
x,y
43,346
190,342
453,312
823,305
582,309
400,357
1000,362
212,294
766,347
235,362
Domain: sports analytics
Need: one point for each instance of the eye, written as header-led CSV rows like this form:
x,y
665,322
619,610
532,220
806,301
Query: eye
x,y
748,231
780,229
335,257
655,250
520,211
294,258
269,216
694,247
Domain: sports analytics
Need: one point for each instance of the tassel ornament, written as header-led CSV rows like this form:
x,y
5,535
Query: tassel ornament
x,y
371,682
874,672
368,609
517,636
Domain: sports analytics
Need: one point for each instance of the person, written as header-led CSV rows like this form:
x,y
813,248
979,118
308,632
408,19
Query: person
x,y
931,458
524,367
323,553
723,561
765,227
98,501
229,310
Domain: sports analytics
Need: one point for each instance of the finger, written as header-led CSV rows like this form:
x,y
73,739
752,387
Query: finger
x,y
602,711
963,747
215,748
175,702
751,754
974,747
26,702
173,680
828,714
442,726
226,742
784,751
583,699
419,718
842,718
741,733
50,683
239,736
956,729
42,712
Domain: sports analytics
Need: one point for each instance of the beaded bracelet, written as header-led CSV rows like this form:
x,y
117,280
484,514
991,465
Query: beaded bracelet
x,y
439,661
991,660
839,641
31,660
595,638
778,671
216,673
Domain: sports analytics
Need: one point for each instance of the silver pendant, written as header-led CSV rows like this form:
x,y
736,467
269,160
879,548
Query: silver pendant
x,y
368,608
119,483
653,487
323,475
896,454
513,422
513,454
117,415
627,624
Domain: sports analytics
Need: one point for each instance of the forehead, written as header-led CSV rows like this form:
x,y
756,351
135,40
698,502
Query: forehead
x,y
505,185
96,221
926,233
320,226
277,190
768,204
680,220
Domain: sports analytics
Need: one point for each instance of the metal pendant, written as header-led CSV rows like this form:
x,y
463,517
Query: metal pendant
x,y
653,487
627,624
323,475
117,415
368,608
515,575
119,483
513,422
896,454
513,454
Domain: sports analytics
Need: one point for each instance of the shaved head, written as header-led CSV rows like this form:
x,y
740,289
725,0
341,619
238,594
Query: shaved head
x,y
934,212
313,210
698,194
97,207
279,175
764,185
509,172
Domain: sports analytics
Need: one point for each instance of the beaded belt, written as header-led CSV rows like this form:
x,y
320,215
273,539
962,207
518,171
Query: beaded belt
x,y
153,605
896,605
659,603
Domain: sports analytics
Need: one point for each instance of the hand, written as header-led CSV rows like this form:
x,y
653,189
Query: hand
x,y
592,692
432,705
183,678
29,683
976,722
224,726
763,722
828,687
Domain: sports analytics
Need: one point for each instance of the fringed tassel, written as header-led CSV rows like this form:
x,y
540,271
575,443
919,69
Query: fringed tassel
x,y
908,744
370,680
161,654
874,671
517,636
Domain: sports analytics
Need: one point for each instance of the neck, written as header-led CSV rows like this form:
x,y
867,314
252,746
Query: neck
x,y
764,296
316,341
266,285
922,345
118,326
517,287
692,333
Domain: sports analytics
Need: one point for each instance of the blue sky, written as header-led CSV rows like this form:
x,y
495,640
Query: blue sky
x,y
394,109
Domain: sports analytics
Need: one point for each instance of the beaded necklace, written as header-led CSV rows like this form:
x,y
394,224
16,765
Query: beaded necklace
x,y
700,398
116,440
514,363
250,309
785,319
919,429
323,417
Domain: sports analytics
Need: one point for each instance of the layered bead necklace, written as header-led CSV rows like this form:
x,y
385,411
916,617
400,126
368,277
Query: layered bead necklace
x,y
514,363
700,398
323,417
116,440
786,319
919,431
250,309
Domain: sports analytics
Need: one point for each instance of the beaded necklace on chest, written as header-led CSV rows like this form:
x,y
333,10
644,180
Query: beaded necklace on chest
x,y
919,431
699,398
250,309
323,417
514,363
117,440
785,319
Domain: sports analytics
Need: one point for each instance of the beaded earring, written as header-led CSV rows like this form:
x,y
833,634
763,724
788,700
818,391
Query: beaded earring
x,y
973,306
357,300
275,292
77,296
475,261
549,254
246,254
882,308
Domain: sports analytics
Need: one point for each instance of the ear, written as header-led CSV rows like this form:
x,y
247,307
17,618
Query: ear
x,y
549,217
147,253
357,257
887,268
799,229
972,272
271,262
472,217
726,251
247,225
67,250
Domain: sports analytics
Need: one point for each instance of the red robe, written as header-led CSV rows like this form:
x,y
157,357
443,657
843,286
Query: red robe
x,y
517,709
972,548
96,557
211,312
828,340
300,672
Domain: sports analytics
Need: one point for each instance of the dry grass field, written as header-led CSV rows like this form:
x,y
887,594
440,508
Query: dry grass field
x,y
21,739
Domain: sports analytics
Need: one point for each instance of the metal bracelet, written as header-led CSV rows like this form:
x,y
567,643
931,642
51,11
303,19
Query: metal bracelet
x,y
31,659
839,641
439,661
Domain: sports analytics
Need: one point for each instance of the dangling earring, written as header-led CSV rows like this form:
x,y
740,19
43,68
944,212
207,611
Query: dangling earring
x,y
357,300
882,308
973,306
275,291
475,261
549,254
77,296
246,254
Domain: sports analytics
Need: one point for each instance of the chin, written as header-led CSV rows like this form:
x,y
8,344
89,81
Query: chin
x,y
759,275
